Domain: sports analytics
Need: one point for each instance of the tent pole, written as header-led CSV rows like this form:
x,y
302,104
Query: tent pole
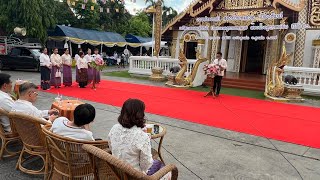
x,y
140,50
70,47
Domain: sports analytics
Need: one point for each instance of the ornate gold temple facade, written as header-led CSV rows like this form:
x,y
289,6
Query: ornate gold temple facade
x,y
250,56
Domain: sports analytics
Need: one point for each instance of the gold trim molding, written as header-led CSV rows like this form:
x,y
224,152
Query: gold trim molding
x,y
291,5
316,42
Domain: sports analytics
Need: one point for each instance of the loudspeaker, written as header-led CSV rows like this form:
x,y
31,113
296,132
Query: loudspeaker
x,y
20,31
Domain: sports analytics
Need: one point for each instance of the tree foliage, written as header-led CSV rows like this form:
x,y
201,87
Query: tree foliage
x,y
116,20
34,15
38,16
139,25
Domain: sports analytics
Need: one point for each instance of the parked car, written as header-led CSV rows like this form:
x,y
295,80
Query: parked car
x,y
21,58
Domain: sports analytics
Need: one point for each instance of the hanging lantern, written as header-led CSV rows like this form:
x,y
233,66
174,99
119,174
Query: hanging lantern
x,y
66,45
73,3
83,6
79,46
117,10
101,9
92,8
108,10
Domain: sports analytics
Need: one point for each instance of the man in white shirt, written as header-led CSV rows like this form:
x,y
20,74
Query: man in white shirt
x,y
5,99
28,95
222,64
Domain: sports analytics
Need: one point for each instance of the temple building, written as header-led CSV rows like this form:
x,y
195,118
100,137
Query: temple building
x,y
232,27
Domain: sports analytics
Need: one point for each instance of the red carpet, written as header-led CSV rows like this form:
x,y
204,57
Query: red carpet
x,y
284,122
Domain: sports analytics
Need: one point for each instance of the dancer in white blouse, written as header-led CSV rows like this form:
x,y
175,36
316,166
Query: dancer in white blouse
x,y
76,57
45,66
82,66
96,55
89,58
67,72
56,69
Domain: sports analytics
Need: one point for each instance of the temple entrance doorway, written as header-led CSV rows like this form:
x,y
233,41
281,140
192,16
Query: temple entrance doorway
x,y
190,50
253,53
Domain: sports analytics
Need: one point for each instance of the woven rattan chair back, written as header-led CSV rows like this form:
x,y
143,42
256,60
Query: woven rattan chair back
x,y
108,167
8,137
29,128
69,160
33,139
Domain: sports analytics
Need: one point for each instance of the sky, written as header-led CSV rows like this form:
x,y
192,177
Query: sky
x,y
178,5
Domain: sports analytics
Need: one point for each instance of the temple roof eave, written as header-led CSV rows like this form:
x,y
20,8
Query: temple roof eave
x,y
197,7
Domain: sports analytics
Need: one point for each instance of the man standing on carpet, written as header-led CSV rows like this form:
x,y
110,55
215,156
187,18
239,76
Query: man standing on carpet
x,y
222,63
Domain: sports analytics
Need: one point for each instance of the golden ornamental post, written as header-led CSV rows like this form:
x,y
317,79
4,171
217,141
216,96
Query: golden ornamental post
x,y
158,27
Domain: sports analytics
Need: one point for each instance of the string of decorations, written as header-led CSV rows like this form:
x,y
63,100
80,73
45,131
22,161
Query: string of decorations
x,y
72,3
84,4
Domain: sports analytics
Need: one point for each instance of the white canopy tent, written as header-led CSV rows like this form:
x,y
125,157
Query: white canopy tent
x,y
148,45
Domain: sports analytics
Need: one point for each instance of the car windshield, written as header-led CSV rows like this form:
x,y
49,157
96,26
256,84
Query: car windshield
x,y
35,52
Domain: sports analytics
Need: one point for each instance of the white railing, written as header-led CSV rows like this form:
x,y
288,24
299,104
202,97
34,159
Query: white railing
x,y
142,65
307,77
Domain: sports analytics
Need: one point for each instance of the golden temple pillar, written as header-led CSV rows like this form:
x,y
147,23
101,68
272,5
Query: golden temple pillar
x,y
214,46
301,35
157,28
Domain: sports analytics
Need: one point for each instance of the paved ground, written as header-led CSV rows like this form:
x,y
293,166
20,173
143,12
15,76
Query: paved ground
x,y
202,152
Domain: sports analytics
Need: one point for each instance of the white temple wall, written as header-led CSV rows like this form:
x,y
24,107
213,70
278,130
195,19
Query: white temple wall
x,y
308,50
290,47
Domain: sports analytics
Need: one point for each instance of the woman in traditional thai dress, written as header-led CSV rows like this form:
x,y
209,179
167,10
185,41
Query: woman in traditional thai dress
x,y
56,69
45,66
82,66
89,59
96,72
76,57
67,73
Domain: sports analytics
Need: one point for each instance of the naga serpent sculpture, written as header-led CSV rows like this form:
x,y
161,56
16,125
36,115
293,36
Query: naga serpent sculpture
x,y
180,79
275,85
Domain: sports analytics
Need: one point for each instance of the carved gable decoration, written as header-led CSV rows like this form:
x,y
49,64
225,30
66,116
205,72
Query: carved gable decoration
x,y
295,5
243,4
314,12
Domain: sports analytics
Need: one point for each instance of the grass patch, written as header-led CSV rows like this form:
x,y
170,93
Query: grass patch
x,y
124,74
311,97
234,92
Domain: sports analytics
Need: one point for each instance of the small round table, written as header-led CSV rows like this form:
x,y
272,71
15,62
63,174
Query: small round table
x,y
66,107
154,135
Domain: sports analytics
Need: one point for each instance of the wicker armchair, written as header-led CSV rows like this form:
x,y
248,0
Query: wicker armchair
x,y
69,160
7,138
108,167
29,129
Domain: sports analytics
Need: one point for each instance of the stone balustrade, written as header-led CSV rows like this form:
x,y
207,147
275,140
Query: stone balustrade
x,y
142,65
307,77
